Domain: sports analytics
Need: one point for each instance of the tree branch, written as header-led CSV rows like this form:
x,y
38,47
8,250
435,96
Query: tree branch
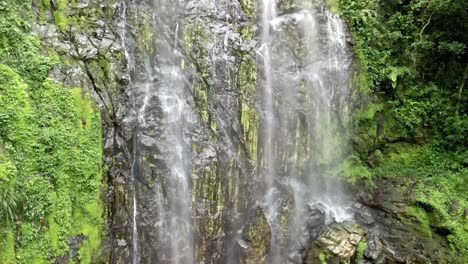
x,y
460,88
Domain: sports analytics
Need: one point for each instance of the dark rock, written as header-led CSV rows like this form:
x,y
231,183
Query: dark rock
x,y
74,244
374,247
364,217
454,206
391,236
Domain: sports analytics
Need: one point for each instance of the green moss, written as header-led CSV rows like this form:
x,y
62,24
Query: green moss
x,y
105,66
353,170
82,108
90,247
440,191
361,248
45,3
54,235
60,20
13,101
249,7
194,36
50,150
62,4
203,100
422,218
324,256
434,202
7,246
332,5
60,16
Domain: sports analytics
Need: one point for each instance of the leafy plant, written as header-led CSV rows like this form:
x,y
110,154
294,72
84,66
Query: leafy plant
x,y
8,203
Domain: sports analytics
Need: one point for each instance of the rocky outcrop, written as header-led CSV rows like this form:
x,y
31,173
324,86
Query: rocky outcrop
x,y
392,235
341,239
339,242
382,231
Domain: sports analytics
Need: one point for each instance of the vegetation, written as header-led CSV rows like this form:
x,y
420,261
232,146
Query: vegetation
x,y
50,153
413,56
412,104
410,121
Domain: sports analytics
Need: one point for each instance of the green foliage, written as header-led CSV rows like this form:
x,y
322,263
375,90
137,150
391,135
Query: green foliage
x,y
332,5
354,170
362,246
8,203
50,152
413,55
7,246
13,99
451,222
422,218
441,190
411,119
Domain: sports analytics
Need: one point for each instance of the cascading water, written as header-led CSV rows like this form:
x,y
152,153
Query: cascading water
x,y
270,199
161,147
306,68
169,94
304,65
134,168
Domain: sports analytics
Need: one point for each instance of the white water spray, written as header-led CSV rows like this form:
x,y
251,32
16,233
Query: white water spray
x,y
305,87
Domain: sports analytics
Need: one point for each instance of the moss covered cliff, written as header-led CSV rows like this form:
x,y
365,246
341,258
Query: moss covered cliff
x,y
50,153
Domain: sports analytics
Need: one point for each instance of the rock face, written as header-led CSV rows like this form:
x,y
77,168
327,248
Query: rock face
x,y
255,239
341,240
207,50
392,235
381,232
338,242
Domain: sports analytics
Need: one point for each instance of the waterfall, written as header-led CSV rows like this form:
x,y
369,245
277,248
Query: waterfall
x,y
161,146
300,101
306,67
173,190
135,165
270,199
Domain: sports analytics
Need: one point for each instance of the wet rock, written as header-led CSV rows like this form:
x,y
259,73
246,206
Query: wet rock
x,y
363,216
392,236
255,238
454,206
121,243
316,218
45,31
207,155
341,239
338,243
374,247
